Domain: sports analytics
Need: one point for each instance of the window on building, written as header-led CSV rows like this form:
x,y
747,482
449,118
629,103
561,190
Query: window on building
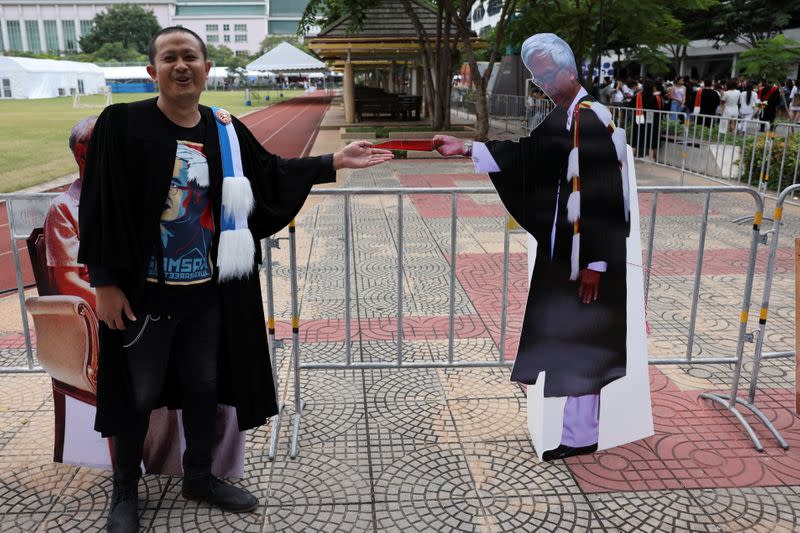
x,y
51,35
226,38
281,27
86,27
2,43
220,9
70,38
80,86
226,27
240,27
212,38
494,7
478,14
241,53
287,8
14,35
32,30
6,88
240,38
212,27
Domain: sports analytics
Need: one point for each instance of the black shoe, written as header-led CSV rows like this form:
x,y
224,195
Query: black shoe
x,y
214,491
564,451
123,517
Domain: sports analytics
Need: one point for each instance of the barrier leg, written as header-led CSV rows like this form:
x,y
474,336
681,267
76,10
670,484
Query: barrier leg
x,y
276,420
299,404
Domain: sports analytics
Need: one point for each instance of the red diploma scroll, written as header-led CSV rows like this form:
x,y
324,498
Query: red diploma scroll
x,y
417,146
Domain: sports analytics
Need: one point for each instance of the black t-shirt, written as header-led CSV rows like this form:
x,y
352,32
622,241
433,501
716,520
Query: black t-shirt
x,y
180,270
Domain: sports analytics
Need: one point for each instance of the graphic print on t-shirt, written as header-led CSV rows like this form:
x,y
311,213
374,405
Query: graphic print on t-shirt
x,y
187,224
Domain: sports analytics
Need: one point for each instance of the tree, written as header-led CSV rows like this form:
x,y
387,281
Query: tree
x,y
460,16
696,24
271,41
128,24
626,24
770,58
117,52
221,55
753,21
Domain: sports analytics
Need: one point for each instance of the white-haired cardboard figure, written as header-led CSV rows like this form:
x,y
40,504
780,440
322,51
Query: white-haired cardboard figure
x,y
571,185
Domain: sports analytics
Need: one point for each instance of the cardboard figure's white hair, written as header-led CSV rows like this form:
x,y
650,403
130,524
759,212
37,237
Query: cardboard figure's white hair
x,y
548,44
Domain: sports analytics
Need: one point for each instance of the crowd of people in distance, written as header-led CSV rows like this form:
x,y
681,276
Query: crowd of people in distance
x,y
735,98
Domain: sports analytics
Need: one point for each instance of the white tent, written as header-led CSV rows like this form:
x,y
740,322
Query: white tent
x,y
49,78
218,74
126,74
286,58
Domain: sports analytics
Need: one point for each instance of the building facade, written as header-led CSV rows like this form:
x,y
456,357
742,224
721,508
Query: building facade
x,y
485,15
56,26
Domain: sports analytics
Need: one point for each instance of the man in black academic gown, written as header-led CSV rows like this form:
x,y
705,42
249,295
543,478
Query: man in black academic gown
x,y
171,243
574,327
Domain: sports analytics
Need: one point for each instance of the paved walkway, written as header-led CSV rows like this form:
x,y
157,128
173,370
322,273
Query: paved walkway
x,y
446,450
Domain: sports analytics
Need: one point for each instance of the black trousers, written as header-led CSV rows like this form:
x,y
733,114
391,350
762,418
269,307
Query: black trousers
x,y
191,339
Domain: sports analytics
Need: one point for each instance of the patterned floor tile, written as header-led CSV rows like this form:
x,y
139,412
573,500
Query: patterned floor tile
x,y
23,392
436,472
652,512
354,518
761,510
557,513
316,477
33,489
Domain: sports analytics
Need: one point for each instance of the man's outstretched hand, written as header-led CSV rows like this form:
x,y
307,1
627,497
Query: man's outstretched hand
x,y
360,154
588,285
449,145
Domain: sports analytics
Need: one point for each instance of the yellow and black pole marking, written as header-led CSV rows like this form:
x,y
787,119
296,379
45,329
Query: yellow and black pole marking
x,y
295,324
271,325
757,218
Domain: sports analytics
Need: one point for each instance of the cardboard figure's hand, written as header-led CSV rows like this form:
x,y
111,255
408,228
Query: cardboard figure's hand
x,y
588,285
111,303
360,154
449,145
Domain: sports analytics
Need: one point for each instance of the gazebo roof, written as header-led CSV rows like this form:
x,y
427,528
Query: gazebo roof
x,y
284,58
386,33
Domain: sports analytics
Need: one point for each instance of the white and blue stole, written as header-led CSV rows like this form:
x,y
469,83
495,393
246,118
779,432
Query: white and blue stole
x,y
236,253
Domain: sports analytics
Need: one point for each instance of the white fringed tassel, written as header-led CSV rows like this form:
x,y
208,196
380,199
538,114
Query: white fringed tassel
x,y
574,206
237,196
625,189
602,113
572,165
576,252
235,257
620,143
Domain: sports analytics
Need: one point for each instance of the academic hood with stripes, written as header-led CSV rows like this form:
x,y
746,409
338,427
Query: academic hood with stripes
x,y
128,171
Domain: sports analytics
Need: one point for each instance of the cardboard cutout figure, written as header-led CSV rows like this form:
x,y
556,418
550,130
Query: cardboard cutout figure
x,y
82,445
582,344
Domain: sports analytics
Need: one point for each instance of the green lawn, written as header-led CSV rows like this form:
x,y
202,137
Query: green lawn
x,y
34,133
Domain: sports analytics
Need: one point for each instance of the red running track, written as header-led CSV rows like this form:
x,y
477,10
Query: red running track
x,y
287,129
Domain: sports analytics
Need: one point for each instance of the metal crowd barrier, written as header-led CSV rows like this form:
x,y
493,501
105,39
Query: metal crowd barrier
x,y
401,362
26,212
733,399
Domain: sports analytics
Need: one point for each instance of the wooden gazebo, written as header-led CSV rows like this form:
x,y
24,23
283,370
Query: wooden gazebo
x,y
386,40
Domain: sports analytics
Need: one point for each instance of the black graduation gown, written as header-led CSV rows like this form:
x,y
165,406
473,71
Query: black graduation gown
x,y
647,133
580,346
128,170
709,103
771,109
